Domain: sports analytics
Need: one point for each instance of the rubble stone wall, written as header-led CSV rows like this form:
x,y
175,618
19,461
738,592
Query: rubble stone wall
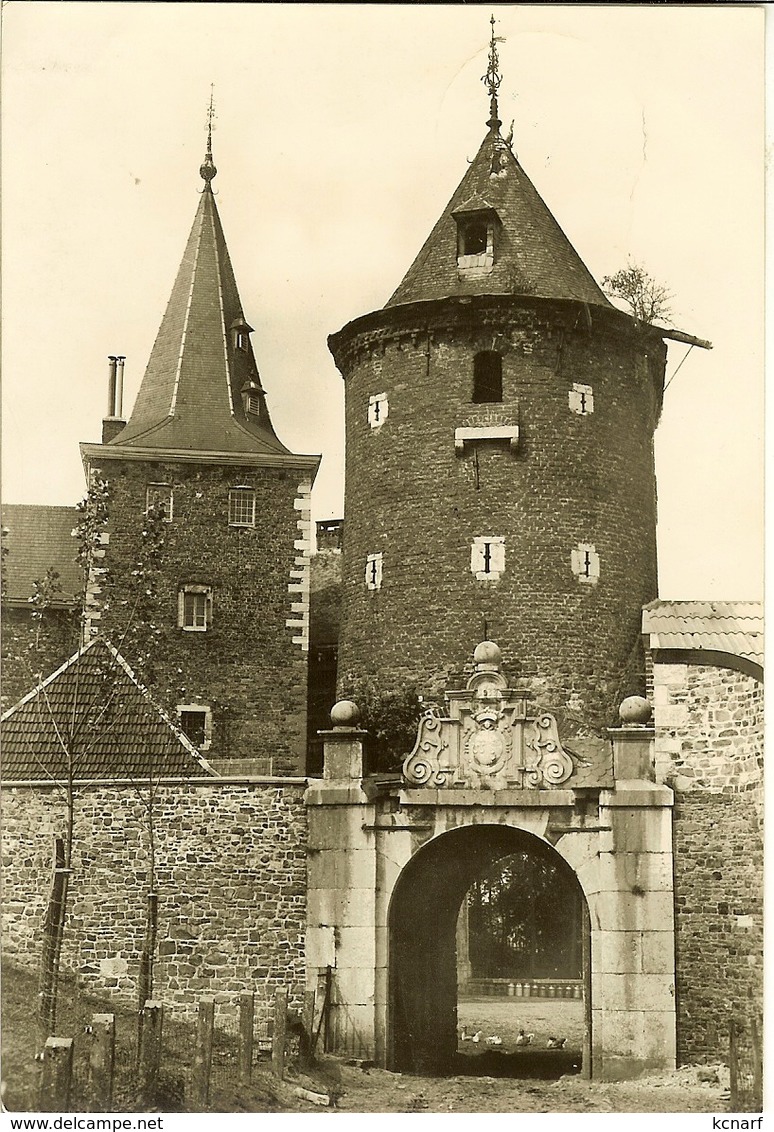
x,y
709,749
230,877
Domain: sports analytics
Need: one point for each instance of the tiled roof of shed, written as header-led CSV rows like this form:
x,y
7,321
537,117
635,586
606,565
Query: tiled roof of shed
x,y
119,731
532,254
38,538
734,627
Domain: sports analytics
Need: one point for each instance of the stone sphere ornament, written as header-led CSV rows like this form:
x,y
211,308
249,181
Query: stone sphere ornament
x,y
487,652
635,711
345,713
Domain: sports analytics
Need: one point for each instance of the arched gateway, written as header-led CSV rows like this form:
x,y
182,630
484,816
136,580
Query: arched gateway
x,y
424,910
391,857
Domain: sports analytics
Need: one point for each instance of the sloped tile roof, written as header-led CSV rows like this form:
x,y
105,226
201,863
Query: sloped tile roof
x,y
190,397
119,731
532,254
38,538
734,627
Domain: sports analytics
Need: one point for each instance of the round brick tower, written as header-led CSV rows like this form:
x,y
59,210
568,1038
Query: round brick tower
x,y
500,477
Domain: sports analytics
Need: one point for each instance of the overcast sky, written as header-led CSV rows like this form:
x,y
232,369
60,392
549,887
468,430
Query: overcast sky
x,y
341,132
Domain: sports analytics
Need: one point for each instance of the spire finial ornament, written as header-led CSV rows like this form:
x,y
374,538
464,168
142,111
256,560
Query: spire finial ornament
x,y
207,169
493,78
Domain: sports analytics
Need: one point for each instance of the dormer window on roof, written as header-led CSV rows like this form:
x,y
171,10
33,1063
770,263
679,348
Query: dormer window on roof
x,y
241,331
477,224
251,398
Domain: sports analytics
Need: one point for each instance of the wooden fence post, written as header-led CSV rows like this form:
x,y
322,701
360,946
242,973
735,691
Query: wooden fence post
x,y
246,1021
150,1049
102,1054
57,1075
205,1028
307,1028
280,1026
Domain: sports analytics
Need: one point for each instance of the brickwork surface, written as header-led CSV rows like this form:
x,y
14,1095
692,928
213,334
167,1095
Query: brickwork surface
x,y
231,879
709,748
574,479
29,650
246,666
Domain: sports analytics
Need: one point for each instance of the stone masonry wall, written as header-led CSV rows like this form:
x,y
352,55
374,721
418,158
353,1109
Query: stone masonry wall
x,y
29,649
250,666
709,749
574,479
230,874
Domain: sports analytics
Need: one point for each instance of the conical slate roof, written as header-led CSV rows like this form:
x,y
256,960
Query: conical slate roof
x,y
191,394
532,255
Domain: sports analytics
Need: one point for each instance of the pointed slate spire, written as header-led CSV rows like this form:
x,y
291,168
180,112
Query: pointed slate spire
x,y
530,254
202,390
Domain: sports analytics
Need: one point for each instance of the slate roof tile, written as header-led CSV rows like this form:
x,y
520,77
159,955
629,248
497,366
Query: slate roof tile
x,y
38,538
532,254
190,397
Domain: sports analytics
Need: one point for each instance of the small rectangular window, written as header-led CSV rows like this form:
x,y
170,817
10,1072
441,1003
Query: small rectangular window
x,y
194,608
159,495
196,724
241,507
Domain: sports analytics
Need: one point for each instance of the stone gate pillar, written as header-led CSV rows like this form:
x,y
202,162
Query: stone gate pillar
x,y
632,911
341,900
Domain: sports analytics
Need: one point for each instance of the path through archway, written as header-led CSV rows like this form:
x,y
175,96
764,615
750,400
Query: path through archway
x,y
423,1021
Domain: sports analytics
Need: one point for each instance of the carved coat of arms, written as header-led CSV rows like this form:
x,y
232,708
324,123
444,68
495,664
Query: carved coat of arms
x,y
486,740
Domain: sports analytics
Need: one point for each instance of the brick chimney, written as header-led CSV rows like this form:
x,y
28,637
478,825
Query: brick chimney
x,y
114,421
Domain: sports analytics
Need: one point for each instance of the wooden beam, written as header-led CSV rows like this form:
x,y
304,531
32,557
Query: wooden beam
x,y
681,336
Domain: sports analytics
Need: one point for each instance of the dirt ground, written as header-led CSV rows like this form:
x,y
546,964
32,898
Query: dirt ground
x,y
481,1085
485,1087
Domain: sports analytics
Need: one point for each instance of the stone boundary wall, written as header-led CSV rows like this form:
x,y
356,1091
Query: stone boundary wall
x,y
709,749
231,879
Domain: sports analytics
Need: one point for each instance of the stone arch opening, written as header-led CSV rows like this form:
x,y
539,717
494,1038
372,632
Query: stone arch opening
x,y
423,920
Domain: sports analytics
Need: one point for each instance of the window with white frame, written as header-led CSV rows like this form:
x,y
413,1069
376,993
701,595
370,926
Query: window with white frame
x,y
378,408
373,571
487,557
581,399
194,608
241,507
196,724
585,563
159,495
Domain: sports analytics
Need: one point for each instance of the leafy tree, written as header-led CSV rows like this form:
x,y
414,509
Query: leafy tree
x,y
90,714
524,921
389,715
647,300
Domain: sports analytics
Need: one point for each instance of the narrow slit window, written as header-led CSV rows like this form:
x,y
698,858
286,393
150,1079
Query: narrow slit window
x,y
241,507
487,377
487,557
378,410
585,563
373,571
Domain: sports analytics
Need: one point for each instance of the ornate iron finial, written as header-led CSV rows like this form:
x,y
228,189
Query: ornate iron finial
x,y
207,169
493,78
